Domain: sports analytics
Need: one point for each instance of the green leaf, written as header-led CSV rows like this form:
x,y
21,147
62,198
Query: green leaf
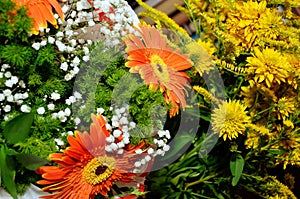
x,y
18,128
31,162
236,168
7,174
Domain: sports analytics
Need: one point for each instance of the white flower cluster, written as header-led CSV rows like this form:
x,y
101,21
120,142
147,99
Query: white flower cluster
x,y
85,23
161,147
120,128
13,92
120,19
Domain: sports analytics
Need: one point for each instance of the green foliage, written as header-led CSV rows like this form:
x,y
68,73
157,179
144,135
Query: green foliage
x,y
7,171
17,55
236,168
14,22
32,143
18,129
46,58
141,102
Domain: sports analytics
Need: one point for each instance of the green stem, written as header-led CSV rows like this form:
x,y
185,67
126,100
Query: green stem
x,y
200,181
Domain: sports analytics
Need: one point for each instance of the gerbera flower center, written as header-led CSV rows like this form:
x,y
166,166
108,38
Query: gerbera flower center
x,y
98,170
159,67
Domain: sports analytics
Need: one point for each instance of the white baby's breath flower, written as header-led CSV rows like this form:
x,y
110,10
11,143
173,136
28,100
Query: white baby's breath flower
x,y
86,58
117,133
77,95
76,61
139,151
67,112
108,148
10,98
150,151
65,8
100,111
166,148
59,34
7,92
55,96
114,146
7,108
77,120
36,46
2,97
91,23
25,95
147,158
51,107
7,74
121,144
110,139
137,164
51,40
25,108
73,14
40,110
59,142
9,83
43,43
64,66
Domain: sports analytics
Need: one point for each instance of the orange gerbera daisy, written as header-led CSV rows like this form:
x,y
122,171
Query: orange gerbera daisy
x,y
85,169
159,65
41,12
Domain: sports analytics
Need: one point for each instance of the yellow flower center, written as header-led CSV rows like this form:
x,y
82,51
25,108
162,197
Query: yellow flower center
x,y
159,67
98,170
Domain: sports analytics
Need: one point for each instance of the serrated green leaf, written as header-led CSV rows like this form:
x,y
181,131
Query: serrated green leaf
x,y
18,128
236,168
31,162
7,174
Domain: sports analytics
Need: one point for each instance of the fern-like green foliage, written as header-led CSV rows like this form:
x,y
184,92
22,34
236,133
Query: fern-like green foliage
x,y
14,22
17,55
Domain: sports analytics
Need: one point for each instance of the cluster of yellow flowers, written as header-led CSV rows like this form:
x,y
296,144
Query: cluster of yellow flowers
x,y
255,45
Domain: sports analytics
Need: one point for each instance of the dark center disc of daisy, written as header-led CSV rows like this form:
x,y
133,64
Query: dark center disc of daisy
x,y
159,68
100,170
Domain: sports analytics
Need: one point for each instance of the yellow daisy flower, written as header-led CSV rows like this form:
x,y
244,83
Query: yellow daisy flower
x,y
250,22
285,107
269,66
230,119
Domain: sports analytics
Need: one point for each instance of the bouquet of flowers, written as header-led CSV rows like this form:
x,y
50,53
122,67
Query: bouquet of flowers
x,y
96,103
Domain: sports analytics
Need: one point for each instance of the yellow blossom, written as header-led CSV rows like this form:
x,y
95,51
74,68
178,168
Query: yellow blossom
x,y
284,107
251,21
269,66
230,119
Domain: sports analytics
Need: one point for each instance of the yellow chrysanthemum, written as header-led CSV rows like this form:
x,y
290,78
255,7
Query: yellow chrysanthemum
x,y
251,21
230,119
284,107
269,66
